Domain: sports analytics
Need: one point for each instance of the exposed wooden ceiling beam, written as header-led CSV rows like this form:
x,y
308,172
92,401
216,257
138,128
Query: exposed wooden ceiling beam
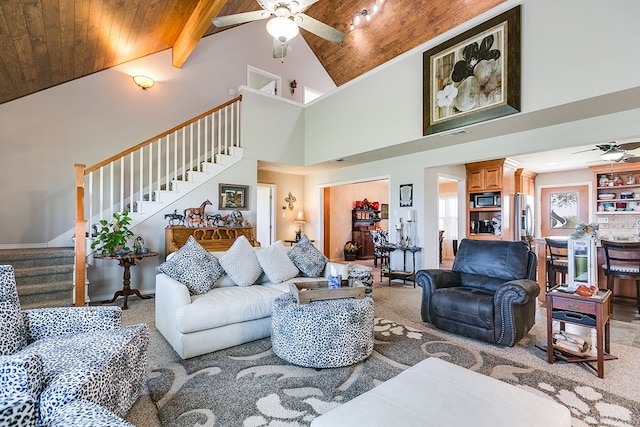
x,y
196,26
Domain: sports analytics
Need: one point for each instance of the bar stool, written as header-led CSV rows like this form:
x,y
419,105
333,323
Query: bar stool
x,y
623,262
557,261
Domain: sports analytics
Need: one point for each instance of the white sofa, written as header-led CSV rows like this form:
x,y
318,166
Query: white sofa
x,y
225,316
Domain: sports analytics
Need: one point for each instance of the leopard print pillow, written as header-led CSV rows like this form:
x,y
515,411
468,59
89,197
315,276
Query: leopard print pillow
x,y
12,327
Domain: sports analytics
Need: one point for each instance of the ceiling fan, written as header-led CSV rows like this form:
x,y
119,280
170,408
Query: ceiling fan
x,y
287,17
614,152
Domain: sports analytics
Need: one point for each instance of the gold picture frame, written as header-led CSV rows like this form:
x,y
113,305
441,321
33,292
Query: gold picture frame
x,y
473,77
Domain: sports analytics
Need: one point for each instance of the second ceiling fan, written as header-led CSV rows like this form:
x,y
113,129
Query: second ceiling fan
x,y
287,17
614,152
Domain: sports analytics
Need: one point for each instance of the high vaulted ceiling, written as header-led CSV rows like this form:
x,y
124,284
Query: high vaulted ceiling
x,y
44,43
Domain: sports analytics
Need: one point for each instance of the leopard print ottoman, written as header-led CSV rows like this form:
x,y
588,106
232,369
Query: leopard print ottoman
x,y
322,334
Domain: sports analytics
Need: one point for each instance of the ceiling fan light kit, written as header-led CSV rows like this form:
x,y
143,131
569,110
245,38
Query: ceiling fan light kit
x,y
282,29
613,155
285,24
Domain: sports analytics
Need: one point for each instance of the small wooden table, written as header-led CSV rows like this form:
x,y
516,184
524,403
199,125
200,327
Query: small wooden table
x,y
126,261
401,274
575,309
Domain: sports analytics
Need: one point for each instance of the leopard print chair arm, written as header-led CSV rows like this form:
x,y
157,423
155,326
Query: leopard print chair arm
x,y
56,321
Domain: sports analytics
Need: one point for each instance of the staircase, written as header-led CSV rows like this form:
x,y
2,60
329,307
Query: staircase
x,y
44,276
150,176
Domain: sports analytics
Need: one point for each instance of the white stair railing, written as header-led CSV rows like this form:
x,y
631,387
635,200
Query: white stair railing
x,y
151,171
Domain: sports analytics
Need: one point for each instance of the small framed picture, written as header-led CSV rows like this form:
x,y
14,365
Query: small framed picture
x,y
406,195
234,196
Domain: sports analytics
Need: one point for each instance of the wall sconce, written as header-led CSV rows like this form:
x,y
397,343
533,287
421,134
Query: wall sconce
x,y
284,211
299,221
143,81
293,85
363,14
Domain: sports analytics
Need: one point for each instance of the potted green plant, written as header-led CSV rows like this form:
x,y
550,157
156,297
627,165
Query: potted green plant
x,y
350,249
111,238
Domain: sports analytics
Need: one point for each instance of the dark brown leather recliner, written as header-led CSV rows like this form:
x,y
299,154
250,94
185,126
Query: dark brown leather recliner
x,y
490,293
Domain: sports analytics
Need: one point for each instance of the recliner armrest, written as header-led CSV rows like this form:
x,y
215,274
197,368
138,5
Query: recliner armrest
x,y
430,280
55,321
524,290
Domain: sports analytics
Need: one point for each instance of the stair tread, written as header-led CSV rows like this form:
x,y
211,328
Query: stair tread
x,y
44,288
42,270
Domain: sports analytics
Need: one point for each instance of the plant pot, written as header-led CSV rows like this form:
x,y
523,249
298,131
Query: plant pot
x,y
349,256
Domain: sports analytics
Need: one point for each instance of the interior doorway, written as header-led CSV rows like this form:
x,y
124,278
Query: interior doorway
x,y
338,202
263,81
448,218
265,214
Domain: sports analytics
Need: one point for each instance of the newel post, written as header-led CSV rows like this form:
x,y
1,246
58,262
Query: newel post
x,y
80,239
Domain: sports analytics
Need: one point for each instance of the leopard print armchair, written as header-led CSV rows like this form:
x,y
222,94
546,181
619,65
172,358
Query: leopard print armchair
x,y
67,363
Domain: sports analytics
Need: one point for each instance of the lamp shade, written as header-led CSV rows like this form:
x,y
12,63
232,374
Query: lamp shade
x,y
300,216
613,154
282,29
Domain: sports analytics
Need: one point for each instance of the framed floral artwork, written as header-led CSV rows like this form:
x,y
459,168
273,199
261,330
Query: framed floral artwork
x,y
473,77
234,196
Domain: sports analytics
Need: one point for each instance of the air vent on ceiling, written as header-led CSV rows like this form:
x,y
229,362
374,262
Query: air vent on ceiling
x,y
455,132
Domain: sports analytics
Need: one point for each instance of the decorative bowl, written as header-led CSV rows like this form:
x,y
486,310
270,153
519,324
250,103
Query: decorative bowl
x,y
606,196
626,195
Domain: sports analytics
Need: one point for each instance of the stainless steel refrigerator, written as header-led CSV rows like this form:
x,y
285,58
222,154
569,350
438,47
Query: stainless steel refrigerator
x,y
523,221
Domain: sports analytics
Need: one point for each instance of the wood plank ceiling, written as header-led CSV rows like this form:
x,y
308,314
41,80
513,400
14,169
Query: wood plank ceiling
x,y
44,43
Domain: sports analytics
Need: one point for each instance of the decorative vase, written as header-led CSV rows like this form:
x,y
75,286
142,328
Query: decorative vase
x,y
349,256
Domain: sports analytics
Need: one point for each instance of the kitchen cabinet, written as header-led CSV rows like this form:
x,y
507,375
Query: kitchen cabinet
x,y
490,188
362,222
525,181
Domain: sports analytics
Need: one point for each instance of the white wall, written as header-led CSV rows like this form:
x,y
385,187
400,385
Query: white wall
x,y
572,51
89,119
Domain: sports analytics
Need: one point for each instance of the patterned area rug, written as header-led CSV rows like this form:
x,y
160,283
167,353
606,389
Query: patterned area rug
x,y
250,386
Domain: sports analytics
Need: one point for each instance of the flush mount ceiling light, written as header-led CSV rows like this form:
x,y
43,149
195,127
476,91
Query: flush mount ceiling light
x,y
614,154
143,81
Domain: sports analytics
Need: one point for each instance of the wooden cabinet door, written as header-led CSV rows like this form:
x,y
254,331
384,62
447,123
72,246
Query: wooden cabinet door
x,y
493,178
475,180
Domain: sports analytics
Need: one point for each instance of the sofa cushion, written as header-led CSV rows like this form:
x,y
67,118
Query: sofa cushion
x,y
276,263
225,306
240,262
194,266
307,258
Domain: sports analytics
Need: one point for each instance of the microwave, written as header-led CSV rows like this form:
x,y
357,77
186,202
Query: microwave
x,y
487,200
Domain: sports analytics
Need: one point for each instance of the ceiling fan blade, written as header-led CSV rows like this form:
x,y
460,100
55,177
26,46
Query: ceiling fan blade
x,y
629,146
632,159
318,28
584,151
240,18
279,49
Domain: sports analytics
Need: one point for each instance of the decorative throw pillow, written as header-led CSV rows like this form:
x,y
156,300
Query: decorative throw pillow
x,y
309,260
193,266
240,262
275,263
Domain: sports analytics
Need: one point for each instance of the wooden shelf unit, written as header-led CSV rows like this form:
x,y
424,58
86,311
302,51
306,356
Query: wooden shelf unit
x,y
603,178
492,178
362,222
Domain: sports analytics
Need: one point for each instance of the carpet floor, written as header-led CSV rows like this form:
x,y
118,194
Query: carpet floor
x,y
248,385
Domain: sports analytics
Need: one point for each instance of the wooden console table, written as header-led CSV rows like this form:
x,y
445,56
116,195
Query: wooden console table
x,y
591,312
126,261
210,238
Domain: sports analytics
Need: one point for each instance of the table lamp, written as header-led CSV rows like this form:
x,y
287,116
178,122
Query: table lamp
x,y
300,221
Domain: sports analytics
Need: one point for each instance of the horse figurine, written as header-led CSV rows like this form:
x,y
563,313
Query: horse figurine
x,y
190,214
175,217
213,220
